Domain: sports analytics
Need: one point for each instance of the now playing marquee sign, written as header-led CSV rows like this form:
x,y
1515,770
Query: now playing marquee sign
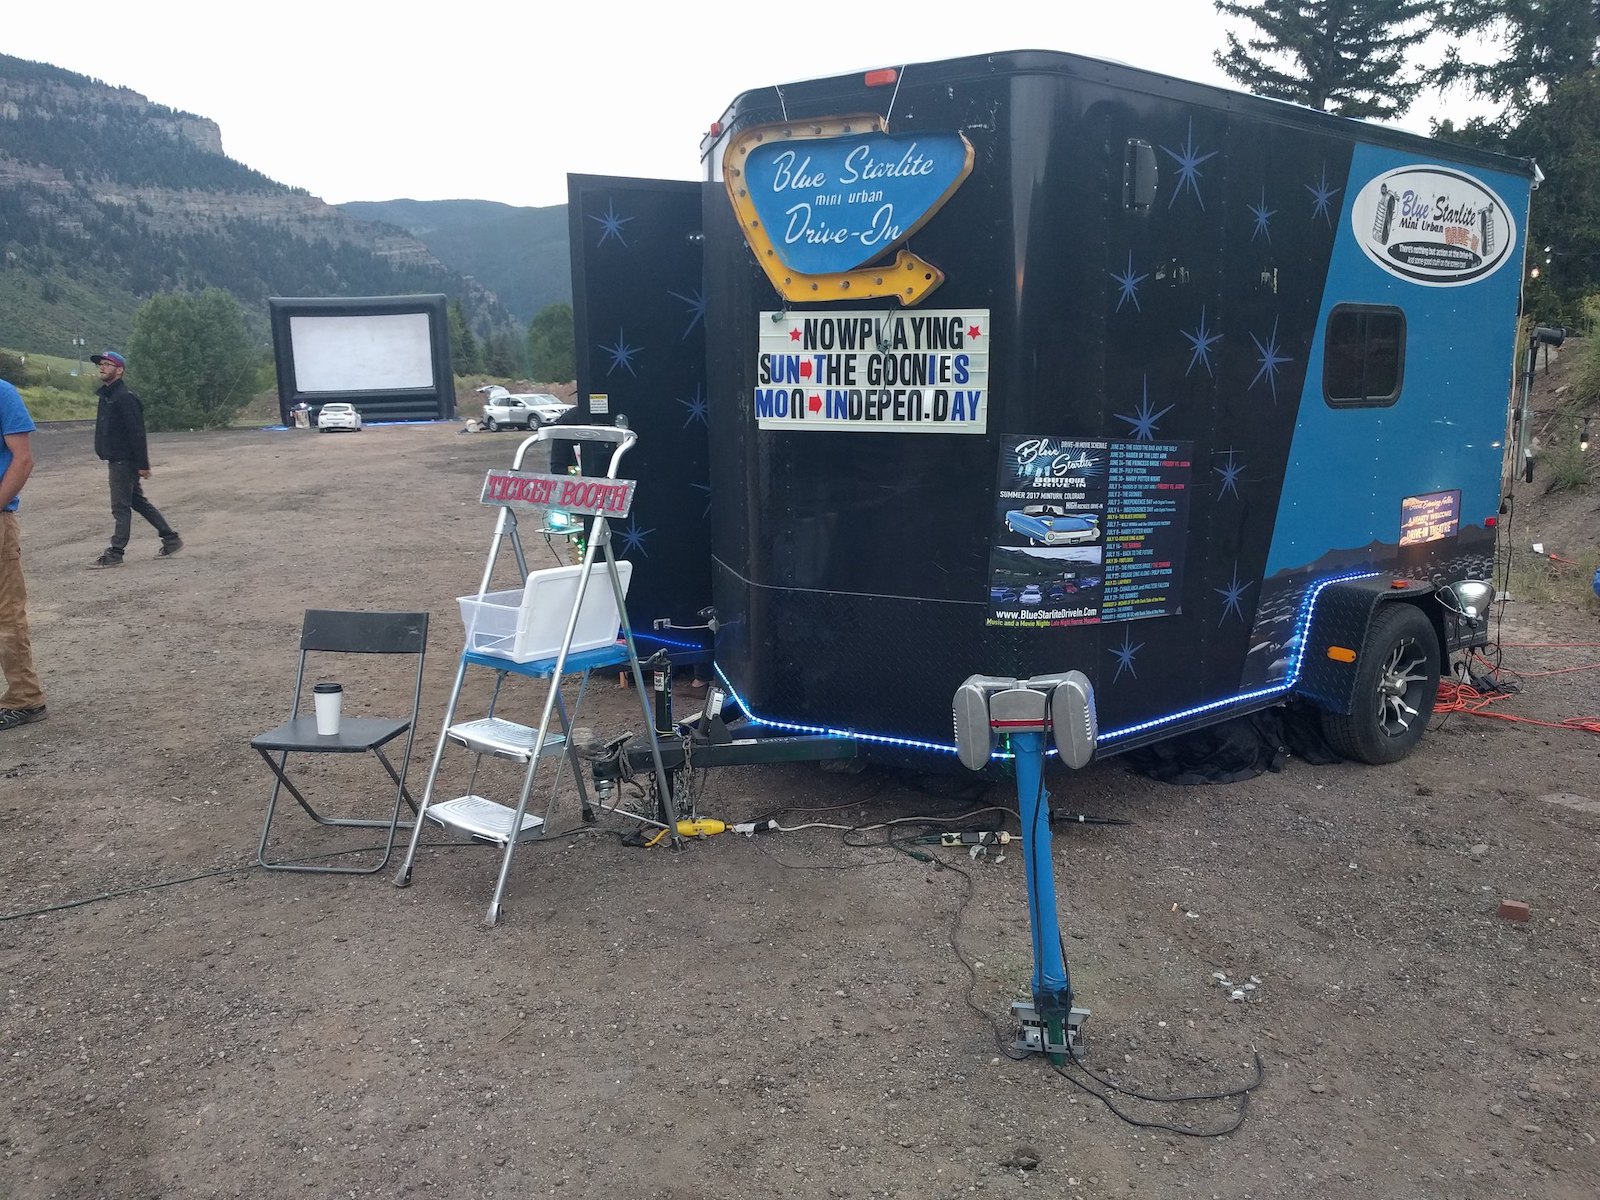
x,y
894,372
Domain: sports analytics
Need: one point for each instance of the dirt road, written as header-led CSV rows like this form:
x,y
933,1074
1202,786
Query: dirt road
x,y
787,1016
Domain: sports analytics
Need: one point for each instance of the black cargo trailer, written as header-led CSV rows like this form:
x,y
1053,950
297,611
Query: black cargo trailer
x,y
1026,363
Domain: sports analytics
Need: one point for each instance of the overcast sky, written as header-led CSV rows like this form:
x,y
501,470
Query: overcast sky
x,y
499,101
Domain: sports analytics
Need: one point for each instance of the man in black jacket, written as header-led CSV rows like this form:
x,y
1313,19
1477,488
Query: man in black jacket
x,y
119,439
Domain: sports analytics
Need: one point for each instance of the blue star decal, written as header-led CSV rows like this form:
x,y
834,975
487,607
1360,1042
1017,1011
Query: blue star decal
x,y
1125,653
1322,197
1200,343
633,537
697,408
1230,474
1188,168
1145,417
1261,218
697,308
611,223
1270,358
621,355
706,488
1128,285
1231,595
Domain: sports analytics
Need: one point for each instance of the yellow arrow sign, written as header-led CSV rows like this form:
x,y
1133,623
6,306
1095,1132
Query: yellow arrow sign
x,y
909,278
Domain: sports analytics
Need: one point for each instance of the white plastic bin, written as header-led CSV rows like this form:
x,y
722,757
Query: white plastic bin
x,y
526,623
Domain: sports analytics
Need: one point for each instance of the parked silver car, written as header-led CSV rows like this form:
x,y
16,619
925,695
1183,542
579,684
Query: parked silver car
x,y
520,410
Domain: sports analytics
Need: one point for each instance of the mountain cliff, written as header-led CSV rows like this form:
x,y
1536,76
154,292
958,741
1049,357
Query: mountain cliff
x,y
107,199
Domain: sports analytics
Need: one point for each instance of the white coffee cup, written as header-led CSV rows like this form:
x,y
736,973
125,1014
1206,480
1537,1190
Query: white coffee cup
x,y
330,700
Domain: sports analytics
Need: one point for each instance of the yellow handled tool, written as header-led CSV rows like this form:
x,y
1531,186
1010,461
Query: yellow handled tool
x,y
701,827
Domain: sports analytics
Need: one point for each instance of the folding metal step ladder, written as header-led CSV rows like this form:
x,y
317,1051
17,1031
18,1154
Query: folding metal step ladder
x,y
601,497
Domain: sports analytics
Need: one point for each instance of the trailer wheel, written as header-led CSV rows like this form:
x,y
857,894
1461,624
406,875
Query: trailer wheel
x,y
1396,684
490,424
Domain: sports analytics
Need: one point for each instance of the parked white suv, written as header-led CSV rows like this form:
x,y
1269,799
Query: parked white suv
x,y
520,410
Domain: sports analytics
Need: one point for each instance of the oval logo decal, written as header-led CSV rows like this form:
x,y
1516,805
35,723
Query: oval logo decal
x,y
1433,225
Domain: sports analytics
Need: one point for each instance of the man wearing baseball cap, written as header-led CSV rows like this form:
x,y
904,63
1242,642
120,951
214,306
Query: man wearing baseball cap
x,y
119,439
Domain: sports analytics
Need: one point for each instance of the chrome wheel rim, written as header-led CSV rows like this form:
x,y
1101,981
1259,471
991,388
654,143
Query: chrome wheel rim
x,y
1400,688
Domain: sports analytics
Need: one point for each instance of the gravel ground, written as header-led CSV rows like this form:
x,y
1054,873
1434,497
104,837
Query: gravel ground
x,y
791,1015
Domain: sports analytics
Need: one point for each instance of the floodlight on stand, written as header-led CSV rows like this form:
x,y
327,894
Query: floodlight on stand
x,y
1027,712
1466,603
1074,724
1469,597
1060,705
976,737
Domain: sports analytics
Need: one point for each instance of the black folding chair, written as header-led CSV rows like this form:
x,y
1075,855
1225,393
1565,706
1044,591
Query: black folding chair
x,y
330,632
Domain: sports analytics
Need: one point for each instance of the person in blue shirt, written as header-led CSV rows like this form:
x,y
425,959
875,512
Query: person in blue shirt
x,y
23,702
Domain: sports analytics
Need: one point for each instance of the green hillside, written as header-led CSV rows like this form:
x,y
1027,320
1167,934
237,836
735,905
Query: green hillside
x,y
520,254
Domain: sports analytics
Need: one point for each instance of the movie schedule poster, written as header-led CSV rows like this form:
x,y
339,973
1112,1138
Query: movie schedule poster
x,y
1088,532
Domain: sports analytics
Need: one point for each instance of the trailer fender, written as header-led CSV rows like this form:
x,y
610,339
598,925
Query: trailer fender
x,y
1338,631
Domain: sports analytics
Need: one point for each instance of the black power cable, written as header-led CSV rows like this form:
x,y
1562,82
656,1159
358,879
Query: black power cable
x,y
1238,1119
241,868
1179,1098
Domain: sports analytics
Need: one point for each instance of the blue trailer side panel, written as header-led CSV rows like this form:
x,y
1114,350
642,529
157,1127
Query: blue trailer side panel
x,y
1352,470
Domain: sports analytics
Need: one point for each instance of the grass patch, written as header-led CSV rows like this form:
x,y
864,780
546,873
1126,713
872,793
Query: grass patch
x,y
1537,579
261,411
1565,466
1585,377
51,403
54,393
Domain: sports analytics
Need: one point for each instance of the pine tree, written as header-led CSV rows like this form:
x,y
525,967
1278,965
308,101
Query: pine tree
x,y
1341,56
1562,134
550,344
502,355
463,346
1540,45
1540,61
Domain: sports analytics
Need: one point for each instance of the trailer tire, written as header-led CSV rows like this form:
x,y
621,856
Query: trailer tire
x,y
1397,680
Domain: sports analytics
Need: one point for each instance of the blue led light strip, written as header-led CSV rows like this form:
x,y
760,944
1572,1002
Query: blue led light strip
x,y
793,727
1241,698
640,636
1302,626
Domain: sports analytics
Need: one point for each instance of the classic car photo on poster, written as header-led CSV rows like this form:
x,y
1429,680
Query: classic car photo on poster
x,y
1087,532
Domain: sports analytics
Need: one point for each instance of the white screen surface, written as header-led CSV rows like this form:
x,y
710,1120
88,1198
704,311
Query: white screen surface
x,y
383,352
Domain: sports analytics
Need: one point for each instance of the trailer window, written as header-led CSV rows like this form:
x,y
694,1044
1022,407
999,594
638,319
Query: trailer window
x,y
1364,355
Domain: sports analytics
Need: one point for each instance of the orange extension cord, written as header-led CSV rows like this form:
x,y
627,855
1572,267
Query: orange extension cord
x,y
1458,697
